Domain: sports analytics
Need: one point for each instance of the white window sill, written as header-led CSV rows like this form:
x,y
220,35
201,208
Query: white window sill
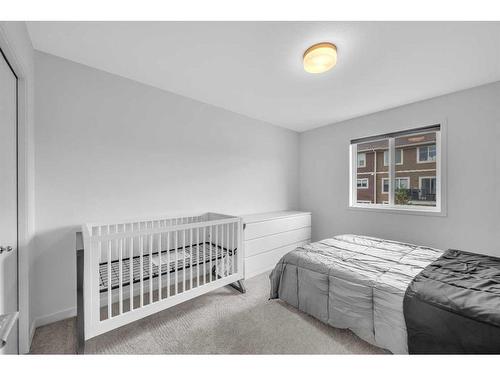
x,y
406,210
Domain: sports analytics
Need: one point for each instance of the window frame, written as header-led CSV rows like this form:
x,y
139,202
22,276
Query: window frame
x,y
440,209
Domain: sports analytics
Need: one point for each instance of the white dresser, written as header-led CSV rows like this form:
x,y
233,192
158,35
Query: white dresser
x,y
268,236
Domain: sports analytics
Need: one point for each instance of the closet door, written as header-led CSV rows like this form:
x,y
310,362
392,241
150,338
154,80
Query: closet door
x,y
8,202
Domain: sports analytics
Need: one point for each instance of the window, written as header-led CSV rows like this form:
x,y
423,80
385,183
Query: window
x,y
411,187
361,160
362,183
426,154
401,183
427,187
399,157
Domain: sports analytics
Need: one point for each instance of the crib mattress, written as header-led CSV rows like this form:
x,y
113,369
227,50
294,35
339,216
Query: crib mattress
x,y
195,255
353,282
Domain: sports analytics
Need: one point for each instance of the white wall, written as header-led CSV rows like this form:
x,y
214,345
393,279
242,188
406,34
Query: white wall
x,y
16,45
473,216
108,147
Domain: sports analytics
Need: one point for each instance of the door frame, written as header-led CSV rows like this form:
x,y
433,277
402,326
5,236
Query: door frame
x,y
2,56
25,183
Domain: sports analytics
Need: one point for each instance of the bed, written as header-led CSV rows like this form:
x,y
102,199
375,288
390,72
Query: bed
x,y
453,305
354,282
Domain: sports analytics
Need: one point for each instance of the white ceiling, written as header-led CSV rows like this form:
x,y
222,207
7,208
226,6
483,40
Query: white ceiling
x,y
255,68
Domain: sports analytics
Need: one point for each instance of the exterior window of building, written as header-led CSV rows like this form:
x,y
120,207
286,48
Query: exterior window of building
x,y
426,154
385,185
415,185
399,157
365,180
362,183
361,160
427,185
401,183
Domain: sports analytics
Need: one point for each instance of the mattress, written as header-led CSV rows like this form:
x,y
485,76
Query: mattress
x,y
179,259
453,305
354,282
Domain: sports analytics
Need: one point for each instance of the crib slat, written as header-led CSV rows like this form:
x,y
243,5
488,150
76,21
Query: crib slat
x,y
202,245
226,254
131,273
216,251
141,270
151,269
222,265
110,278
204,255
229,246
159,267
210,253
228,271
183,260
234,247
198,245
99,248
176,261
168,264
120,271
239,259
191,258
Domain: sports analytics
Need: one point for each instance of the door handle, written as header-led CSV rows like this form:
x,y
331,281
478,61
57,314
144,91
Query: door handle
x,y
5,248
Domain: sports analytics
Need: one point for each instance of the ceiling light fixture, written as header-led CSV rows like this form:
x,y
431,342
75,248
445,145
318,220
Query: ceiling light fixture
x,y
320,57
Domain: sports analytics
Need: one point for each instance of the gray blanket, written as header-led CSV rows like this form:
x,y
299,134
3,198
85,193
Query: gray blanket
x,y
353,282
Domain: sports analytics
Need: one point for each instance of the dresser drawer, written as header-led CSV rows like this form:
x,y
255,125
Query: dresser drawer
x,y
263,244
263,262
265,228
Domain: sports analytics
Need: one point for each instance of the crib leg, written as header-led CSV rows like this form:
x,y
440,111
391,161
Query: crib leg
x,y
239,286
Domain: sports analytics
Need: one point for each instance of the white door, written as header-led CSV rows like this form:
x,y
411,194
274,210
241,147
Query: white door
x,y
8,199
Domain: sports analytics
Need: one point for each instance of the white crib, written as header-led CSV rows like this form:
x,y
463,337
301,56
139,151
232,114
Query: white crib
x,y
136,268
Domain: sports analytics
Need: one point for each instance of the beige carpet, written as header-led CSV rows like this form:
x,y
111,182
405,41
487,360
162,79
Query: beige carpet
x,y
221,322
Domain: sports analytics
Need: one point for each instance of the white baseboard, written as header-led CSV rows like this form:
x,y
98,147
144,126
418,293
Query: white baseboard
x,y
52,318
32,332
47,319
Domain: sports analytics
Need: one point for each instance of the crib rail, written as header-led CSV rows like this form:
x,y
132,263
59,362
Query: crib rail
x,y
137,268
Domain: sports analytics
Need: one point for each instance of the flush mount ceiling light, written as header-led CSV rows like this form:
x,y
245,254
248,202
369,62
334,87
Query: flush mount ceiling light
x,y
320,57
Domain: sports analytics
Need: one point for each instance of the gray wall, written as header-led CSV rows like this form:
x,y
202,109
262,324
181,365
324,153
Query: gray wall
x,y
108,147
473,195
